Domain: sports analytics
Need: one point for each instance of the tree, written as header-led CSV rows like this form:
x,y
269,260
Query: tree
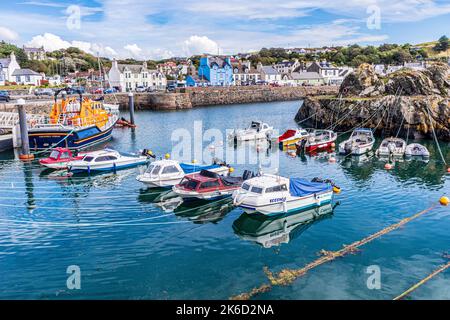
x,y
443,44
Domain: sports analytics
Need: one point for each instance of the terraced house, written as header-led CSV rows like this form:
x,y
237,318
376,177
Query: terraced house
x,y
216,70
128,77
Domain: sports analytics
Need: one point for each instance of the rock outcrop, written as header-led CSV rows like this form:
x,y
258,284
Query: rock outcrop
x,y
364,82
387,115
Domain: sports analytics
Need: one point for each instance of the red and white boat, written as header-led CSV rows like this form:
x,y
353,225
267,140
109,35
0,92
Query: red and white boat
x,y
207,185
59,158
291,137
318,140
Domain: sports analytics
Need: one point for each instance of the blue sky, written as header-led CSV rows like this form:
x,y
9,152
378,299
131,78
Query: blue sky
x,y
163,28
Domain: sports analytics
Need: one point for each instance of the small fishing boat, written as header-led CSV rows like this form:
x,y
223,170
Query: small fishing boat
x,y
416,150
207,185
360,142
59,158
167,173
106,160
270,231
272,194
291,137
73,123
392,147
257,130
317,140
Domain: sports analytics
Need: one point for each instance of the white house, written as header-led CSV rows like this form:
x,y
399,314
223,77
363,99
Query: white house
x,y
55,80
127,77
7,68
27,77
269,74
328,71
287,66
244,74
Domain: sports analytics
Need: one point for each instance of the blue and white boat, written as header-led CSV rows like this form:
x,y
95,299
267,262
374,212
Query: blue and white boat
x,y
106,160
271,194
167,173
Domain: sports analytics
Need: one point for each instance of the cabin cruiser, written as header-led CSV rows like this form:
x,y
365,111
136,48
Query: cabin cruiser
x,y
167,173
257,130
392,147
318,140
416,150
59,158
291,137
207,185
271,231
360,142
272,194
106,160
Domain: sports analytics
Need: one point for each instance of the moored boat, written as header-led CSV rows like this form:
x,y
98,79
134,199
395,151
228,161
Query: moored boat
x,y
416,150
167,173
74,124
257,130
272,194
106,160
207,185
317,140
360,142
392,147
59,158
291,137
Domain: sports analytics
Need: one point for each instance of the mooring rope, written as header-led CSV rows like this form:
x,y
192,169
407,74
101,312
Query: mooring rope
x,y
423,281
434,135
287,276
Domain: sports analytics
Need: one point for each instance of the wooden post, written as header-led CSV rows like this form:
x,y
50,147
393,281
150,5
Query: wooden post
x,y
131,106
25,153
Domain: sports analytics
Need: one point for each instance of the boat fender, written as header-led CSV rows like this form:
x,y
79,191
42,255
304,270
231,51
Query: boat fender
x,y
114,168
167,156
231,170
89,169
336,189
444,201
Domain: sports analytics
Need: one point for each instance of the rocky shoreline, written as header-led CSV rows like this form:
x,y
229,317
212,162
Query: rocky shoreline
x,y
408,103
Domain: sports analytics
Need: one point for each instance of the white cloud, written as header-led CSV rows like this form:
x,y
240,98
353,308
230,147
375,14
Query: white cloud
x,y
134,50
52,42
198,45
7,34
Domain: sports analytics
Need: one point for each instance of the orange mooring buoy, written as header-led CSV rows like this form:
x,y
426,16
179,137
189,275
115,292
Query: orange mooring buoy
x,y
388,166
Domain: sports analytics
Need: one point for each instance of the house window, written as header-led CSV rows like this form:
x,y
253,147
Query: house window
x,y
27,79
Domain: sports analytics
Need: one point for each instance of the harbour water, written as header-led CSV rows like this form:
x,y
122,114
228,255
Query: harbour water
x,y
132,243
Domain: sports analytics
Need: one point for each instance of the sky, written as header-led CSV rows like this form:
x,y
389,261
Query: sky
x,y
160,29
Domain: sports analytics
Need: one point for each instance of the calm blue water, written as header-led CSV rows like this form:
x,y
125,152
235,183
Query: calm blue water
x,y
132,243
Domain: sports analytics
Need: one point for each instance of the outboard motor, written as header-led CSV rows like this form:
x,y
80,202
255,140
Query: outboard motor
x,y
248,175
348,147
148,153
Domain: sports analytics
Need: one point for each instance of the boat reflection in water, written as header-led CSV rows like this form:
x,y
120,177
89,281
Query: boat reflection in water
x,y
273,231
205,211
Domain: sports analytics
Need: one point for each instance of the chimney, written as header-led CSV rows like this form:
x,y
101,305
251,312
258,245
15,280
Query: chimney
x,y
259,66
114,64
145,64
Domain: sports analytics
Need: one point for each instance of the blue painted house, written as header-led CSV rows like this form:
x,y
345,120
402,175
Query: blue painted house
x,y
217,71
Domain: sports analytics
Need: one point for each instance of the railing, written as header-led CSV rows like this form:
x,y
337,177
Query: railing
x,y
9,119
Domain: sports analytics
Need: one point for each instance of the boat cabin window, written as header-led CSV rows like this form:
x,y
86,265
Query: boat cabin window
x,y
277,188
65,155
245,186
100,159
210,184
170,169
88,158
189,184
257,190
54,154
156,169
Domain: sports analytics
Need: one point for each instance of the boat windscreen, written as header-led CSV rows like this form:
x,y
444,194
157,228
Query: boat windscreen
x,y
88,158
54,155
189,184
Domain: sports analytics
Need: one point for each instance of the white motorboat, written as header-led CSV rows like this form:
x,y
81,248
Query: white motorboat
x,y
271,194
106,160
167,173
257,130
392,147
416,150
361,141
273,231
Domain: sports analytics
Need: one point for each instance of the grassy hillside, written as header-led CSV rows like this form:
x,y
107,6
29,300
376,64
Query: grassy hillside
x,y
428,47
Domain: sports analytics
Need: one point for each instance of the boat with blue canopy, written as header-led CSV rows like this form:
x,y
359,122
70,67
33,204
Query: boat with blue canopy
x,y
272,194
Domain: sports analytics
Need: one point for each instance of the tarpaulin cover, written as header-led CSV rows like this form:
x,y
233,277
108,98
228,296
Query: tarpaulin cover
x,y
301,187
191,167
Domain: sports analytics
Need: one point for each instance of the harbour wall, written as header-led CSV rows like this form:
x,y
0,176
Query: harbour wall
x,y
187,98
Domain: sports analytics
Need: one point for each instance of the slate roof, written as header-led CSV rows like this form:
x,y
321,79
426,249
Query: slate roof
x,y
269,70
221,62
306,76
5,62
25,72
134,68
